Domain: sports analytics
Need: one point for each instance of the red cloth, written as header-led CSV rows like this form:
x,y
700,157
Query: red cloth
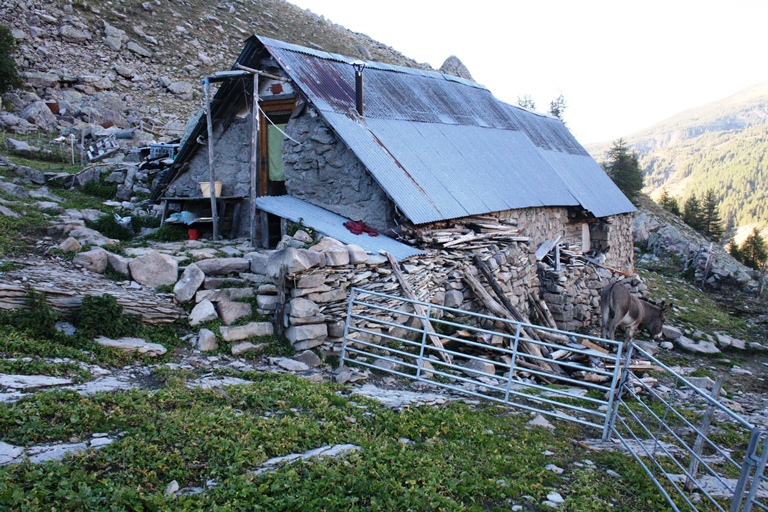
x,y
358,227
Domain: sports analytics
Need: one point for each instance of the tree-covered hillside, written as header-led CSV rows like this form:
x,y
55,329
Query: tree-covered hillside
x,y
721,146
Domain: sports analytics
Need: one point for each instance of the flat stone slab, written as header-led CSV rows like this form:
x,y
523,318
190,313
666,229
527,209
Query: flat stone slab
x,y
132,345
338,450
31,381
397,399
216,382
289,364
10,453
39,454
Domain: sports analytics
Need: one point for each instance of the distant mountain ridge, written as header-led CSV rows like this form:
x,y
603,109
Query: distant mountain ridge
x,y
722,145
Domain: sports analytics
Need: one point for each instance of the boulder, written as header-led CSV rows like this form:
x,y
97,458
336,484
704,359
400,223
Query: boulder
x,y
119,264
258,262
243,332
295,260
230,312
303,308
40,115
336,256
223,266
231,294
357,254
670,332
15,124
39,79
477,368
136,48
7,212
182,90
69,245
187,286
309,358
132,345
94,260
14,190
154,269
29,174
266,302
642,227
247,346
291,365
202,312
74,35
206,341
311,280
700,347
303,337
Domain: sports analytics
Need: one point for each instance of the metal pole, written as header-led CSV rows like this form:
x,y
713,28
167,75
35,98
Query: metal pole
x,y
254,158
212,171
698,445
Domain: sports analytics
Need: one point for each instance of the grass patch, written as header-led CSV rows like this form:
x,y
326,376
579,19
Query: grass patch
x,y
451,458
694,309
28,366
168,233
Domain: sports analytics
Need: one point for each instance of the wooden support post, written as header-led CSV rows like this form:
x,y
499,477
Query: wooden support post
x,y
254,164
212,171
498,310
418,308
698,445
281,295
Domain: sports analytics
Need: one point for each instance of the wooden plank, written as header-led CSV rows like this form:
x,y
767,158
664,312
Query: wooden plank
x,y
545,247
254,163
594,346
418,308
211,168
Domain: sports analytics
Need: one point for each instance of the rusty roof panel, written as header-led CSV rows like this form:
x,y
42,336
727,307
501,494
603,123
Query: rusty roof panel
x,y
443,147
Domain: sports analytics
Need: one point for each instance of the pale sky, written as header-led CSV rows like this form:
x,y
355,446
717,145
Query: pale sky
x,y
621,65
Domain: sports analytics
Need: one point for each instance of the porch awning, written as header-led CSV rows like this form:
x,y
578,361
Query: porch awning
x,y
331,224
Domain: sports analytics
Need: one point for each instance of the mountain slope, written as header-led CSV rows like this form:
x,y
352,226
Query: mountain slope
x,y
137,48
722,145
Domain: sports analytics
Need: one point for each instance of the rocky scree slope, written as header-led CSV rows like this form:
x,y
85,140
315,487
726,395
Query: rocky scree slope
x,y
149,56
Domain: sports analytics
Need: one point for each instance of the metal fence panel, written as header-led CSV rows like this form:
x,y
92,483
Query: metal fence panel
x,y
700,454
500,362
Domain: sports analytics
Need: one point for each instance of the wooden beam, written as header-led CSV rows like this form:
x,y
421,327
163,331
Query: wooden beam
x,y
418,308
211,169
254,163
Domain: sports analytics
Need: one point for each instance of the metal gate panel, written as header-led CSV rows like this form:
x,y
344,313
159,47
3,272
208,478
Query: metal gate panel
x,y
386,333
696,450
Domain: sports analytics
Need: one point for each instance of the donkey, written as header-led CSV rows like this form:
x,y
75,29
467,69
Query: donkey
x,y
619,307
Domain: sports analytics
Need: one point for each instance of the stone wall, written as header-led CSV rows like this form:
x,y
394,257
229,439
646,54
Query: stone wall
x,y
615,232
323,171
231,150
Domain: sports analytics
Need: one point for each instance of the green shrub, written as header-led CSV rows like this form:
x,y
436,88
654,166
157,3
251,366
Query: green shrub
x,y
102,315
101,190
108,226
9,78
37,318
168,233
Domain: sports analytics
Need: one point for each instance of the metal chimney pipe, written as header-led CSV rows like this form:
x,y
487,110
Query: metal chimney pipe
x,y
359,66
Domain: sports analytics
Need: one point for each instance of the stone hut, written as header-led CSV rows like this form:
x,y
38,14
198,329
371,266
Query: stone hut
x,y
408,152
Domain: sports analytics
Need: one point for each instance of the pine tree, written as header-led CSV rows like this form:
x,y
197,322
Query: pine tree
x,y
712,226
9,78
669,203
692,214
753,251
733,249
526,102
623,168
557,107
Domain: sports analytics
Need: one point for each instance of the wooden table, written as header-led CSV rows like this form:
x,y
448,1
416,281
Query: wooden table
x,y
201,206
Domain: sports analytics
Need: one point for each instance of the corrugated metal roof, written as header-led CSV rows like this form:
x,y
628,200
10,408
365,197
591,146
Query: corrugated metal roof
x,y
328,223
445,148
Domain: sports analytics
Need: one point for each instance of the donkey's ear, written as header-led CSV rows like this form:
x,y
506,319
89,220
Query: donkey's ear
x,y
666,308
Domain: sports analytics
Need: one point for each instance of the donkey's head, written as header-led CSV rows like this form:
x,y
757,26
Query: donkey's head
x,y
654,318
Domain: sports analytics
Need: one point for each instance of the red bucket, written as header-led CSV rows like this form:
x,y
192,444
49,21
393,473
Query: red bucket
x,y
193,234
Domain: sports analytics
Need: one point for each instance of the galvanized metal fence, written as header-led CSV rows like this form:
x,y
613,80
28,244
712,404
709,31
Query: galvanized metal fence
x,y
700,454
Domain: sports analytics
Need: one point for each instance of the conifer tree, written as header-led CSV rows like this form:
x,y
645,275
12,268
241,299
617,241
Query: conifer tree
x,y
623,167
712,226
669,203
753,251
9,78
733,249
692,214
